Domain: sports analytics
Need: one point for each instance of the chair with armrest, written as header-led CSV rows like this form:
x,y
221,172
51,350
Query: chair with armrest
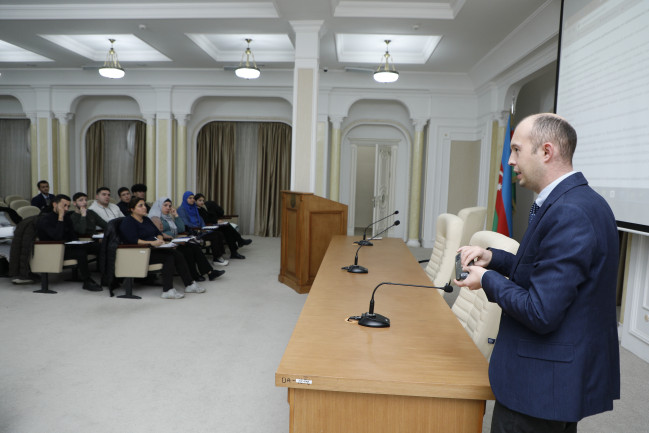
x,y
477,315
132,261
8,199
17,204
474,220
27,211
441,265
48,259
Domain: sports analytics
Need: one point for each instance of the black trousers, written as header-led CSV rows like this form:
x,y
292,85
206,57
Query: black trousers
x,y
195,259
217,242
231,235
506,420
80,254
172,261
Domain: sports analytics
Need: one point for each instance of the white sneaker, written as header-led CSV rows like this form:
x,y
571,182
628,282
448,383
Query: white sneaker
x,y
221,261
194,288
171,294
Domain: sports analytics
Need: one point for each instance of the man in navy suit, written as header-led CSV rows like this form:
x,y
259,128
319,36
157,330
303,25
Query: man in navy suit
x,y
43,198
556,358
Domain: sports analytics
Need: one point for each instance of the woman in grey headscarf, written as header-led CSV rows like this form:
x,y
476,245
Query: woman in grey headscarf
x,y
166,218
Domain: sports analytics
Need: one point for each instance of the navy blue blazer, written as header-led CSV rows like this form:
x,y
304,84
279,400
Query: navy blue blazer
x,y
557,355
39,200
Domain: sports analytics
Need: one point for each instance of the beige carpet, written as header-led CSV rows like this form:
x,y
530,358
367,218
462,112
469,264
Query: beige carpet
x,y
81,362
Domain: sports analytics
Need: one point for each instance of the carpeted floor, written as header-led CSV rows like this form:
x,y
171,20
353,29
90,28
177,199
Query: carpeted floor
x,y
81,362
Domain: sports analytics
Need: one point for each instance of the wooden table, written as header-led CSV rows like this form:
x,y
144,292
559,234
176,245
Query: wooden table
x,y
423,374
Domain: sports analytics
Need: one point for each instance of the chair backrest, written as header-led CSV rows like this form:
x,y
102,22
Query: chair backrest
x,y
8,199
17,204
441,266
27,211
132,261
477,315
474,220
48,257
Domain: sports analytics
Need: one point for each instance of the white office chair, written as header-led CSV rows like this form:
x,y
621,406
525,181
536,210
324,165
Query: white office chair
x,y
474,220
27,211
441,266
477,315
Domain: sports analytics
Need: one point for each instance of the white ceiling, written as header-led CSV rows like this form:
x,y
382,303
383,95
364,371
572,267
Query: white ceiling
x,y
445,36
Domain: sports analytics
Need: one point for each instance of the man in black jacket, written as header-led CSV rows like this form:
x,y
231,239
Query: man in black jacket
x,y
43,198
57,226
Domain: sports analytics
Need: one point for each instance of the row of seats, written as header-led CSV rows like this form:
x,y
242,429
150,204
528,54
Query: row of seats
x,y
20,205
477,315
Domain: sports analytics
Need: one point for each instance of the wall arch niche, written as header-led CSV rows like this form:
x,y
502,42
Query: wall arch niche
x,y
15,152
123,129
375,164
245,116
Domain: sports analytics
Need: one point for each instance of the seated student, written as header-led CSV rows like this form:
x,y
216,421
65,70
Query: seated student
x,y
57,226
188,211
124,199
103,207
193,222
84,220
166,219
213,217
43,199
139,190
137,228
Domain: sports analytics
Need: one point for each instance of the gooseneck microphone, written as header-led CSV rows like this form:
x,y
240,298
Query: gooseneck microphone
x,y
367,242
355,268
374,320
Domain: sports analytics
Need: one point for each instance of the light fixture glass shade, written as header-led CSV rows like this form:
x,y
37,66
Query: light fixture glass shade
x,y
112,68
247,71
386,72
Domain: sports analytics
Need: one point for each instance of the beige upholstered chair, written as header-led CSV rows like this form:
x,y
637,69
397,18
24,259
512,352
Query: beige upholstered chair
x,y
17,204
27,211
48,259
441,266
474,220
8,199
478,316
132,261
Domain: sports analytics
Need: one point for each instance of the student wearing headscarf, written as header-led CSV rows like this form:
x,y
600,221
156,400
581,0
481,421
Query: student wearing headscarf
x,y
188,211
166,219
212,214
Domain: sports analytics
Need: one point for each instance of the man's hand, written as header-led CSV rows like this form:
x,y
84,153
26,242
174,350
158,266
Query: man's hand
x,y
481,258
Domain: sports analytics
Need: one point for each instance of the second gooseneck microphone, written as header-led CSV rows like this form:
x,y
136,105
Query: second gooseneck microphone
x,y
356,268
364,242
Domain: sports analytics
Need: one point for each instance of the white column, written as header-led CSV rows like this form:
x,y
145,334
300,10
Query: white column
x,y
414,210
305,104
64,153
334,158
150,165
181,156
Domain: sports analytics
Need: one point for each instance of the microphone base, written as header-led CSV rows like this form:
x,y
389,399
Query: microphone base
x,y
356,269
364,243
374,321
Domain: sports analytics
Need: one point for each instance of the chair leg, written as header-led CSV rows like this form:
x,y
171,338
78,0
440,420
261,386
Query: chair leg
x,y
45,286
128,287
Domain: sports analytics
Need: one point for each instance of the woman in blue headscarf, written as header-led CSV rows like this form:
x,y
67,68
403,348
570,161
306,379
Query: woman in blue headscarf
x,y
188,212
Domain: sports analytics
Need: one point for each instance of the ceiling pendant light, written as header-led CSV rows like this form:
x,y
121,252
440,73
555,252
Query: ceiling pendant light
x,y
247,71
386,73
111,68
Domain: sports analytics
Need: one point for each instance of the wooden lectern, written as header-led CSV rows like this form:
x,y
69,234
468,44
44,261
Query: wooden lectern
x,y
308,224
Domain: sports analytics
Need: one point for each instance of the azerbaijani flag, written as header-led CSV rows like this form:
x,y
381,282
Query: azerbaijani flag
x,y
506,194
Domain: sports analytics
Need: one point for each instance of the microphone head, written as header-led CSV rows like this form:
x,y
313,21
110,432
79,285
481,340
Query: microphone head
x,y
396,212
397,222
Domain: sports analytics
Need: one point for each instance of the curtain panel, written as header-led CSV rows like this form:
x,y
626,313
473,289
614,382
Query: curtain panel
x,y
273,176
15,158
215,163
94,157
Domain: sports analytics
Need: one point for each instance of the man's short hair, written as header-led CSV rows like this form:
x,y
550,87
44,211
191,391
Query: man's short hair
x,y
138,187
102,188
121,190
554,129
57,198
78,195
38,185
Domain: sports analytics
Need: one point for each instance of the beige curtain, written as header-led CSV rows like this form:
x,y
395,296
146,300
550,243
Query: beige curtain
x,y
215,163
95,157
139,169
273,176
